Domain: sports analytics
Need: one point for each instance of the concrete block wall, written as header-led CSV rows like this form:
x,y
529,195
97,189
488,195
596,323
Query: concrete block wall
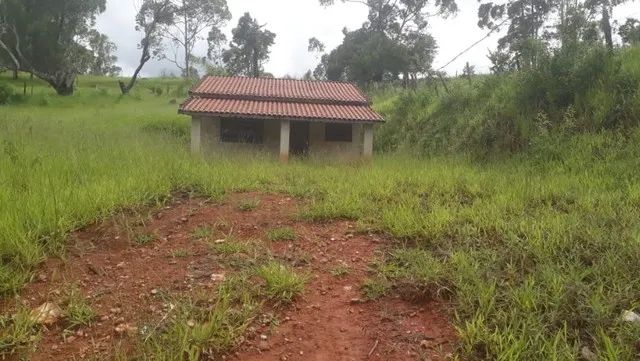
x,y
205,138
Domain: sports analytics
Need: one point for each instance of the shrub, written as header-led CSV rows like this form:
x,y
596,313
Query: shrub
x,y
6,92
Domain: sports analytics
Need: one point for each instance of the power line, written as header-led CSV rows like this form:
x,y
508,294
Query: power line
x,y
497,27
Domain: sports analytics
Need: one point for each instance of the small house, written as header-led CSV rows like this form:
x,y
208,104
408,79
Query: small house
x,y
281,116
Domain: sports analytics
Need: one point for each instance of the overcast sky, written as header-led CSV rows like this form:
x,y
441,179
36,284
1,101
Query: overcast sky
x,y
295,21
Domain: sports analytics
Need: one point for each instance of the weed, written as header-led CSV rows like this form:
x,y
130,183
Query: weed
x,y
17,334
248,205
283,284
281,234
230,247
142,239
200,329
376,287
202,233
340,270
78,311
180,253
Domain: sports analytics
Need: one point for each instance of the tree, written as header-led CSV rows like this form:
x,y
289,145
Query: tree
x,y
468,71
364,56
526,19
192,17
315,46
630,32
397,31
249,48
400,17
46,38
153,17
102,49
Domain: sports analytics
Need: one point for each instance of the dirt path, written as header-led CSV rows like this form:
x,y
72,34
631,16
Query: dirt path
x,y
122,270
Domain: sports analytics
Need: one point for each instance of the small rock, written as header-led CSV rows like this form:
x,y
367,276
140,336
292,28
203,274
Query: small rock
x,y
219,241
630,316
115,311
426,344
42,277
120,265
125,328
218,277
104,318
47,314
154,291
264,346
191,323
70,339
263,337
356,300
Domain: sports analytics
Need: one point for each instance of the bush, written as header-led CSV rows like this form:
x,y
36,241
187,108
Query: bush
x,y
581,89
6,92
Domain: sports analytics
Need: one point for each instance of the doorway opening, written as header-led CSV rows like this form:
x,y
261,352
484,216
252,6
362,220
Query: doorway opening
x,y
299,138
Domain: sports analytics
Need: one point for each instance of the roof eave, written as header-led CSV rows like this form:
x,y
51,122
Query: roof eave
x,y
267,117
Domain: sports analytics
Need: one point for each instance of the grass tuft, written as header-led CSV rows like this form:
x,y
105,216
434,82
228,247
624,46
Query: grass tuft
x,y
281,234
78,311
248,205
283,284
202,233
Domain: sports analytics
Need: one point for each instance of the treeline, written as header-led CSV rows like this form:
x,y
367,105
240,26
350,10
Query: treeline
x,y
57,40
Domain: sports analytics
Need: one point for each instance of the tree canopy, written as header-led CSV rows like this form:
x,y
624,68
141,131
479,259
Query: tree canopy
x,y
191,19
49,39
393,41
249,48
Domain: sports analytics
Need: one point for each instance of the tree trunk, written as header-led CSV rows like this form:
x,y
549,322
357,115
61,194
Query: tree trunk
x,y
62,83
125,88
606,26
187,70
15,73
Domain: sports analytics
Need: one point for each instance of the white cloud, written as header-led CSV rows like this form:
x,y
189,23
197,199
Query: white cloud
x,y
295,21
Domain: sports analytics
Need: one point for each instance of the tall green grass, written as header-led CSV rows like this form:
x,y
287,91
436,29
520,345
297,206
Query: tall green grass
x,y
573,91
538,251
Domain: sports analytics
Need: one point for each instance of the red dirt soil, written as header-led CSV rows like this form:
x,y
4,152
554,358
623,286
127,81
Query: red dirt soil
x,y
122,281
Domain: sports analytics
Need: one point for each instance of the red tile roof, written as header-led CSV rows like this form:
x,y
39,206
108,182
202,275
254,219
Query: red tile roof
x,y
279,89
272,109
279,98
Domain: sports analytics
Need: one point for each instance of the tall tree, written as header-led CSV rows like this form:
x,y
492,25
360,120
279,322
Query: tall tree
x,y
526,19
192,18
249,48
152,20
46,38
102,49
397,31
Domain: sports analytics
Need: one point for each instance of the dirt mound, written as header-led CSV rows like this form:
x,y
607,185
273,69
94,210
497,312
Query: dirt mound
x,y
124,266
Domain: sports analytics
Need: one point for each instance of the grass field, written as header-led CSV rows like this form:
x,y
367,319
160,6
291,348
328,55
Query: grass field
x,y
539,252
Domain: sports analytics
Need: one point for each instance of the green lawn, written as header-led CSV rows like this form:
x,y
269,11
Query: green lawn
x,y
539,252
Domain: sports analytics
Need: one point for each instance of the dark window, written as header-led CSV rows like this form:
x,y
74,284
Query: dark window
x,y
241,131
338,132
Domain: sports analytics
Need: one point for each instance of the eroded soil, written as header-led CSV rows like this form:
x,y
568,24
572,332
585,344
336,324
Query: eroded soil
x,y
125,265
